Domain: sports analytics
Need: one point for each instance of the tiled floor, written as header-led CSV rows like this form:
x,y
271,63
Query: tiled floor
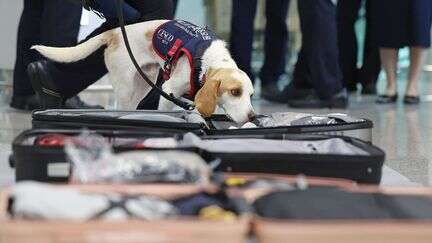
x,y
405,133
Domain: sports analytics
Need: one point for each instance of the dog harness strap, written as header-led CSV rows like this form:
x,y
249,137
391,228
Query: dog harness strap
x,y
175,38
175,48
171,57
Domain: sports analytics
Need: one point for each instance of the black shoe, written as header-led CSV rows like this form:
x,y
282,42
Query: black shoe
x,y
48,93
387,99
25,103
269,90
411,100
352,87
369,89
44,86
290,92
76,103
338,101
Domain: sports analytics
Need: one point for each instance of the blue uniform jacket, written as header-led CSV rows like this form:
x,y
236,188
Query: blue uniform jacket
x,y
108,9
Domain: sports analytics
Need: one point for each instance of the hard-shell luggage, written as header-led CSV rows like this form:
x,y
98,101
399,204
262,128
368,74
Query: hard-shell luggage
x,y
186,121
400,215
39,155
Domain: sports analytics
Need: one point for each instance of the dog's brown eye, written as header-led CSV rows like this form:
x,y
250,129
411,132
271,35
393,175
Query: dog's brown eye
x,y
236,92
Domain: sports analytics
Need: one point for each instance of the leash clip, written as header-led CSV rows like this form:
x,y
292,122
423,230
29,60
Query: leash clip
x,y
167,68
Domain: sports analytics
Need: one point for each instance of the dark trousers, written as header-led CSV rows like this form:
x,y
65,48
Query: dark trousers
x,y
175,6
72,78
318,61
276,37
47,22
348,14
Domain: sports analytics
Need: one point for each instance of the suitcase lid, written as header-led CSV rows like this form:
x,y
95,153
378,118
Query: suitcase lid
x,y
188,120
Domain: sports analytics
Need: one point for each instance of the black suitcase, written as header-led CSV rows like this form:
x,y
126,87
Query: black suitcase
x,y
186,121
173,122
49,163
312,155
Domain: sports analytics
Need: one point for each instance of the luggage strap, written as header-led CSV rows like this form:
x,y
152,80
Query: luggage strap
x,y
114,204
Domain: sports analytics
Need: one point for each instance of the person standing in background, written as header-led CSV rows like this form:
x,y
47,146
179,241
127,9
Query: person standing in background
x,y
63,80
48,22
367,74
403,23
317,80
275,46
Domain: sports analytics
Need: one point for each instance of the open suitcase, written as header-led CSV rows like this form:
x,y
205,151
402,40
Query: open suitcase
x,y
186,121
289,154
264,230
179,229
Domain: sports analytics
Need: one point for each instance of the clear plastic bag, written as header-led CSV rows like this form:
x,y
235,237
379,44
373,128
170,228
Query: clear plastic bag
x,y
300,119
71,204
94,162
280,119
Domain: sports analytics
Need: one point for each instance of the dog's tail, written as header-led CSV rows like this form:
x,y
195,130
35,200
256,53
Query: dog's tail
x,y
75,53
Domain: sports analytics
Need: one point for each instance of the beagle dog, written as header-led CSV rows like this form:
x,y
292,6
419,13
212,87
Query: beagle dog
x,y
217,82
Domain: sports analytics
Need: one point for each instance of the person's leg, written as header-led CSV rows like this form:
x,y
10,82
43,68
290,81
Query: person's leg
x,y
347,15
391,31
175,6
320,56
152,10
276,39
60,26
242,33
68,79
60,23
417,60
420,40
389,60
72,78
371,68
28,35
319,46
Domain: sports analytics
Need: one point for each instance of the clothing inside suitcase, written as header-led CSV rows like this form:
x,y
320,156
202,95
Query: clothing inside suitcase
x,y
334,203
284,119
312,155
336,146
308,144
235,144
63,203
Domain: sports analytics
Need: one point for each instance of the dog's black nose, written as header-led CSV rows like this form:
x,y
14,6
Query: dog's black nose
x,y
251,116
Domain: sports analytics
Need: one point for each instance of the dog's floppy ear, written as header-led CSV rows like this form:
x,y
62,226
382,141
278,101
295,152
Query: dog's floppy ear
x,y
206,97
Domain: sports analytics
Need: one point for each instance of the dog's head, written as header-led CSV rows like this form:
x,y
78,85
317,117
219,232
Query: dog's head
x,y
231,89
